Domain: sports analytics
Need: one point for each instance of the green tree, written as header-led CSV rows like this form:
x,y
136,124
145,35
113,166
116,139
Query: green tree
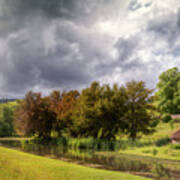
x,y
7,118
103,112
6,122
85,115
139,117
99,111
168,94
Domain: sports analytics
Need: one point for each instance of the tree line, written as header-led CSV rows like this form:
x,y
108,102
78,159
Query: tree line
x,y
99,111
7,119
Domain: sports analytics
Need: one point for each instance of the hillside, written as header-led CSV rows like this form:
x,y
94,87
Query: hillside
x,y
17,165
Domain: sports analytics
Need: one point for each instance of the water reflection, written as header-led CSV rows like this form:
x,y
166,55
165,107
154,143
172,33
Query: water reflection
x,y
120,162
107,160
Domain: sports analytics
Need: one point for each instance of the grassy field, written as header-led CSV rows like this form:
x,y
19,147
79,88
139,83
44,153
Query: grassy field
x,y
164,152
168,155
164,130
15,165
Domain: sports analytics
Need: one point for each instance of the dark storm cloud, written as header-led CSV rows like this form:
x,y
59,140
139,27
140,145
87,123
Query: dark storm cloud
x,y
23,8
15,14
46,44
31,66
68,63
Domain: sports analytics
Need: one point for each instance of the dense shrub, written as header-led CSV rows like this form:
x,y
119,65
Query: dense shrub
x,y
175,146
163,141
166,118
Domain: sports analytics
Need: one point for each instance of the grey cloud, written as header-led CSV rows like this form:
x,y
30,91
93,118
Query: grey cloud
x,y
69,63
30,66
176,51
15,14
178,18
134,5
167,27
21,8
53,44
126,47
148,4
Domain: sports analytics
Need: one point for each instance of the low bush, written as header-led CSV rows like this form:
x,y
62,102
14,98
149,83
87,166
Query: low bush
x,y
166,118
175,146
163,141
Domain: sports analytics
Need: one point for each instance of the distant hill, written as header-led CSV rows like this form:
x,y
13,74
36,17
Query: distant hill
x,y
7,100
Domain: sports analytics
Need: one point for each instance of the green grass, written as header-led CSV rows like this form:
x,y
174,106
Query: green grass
x,y
16,165
14,139
12,105
163,130
166,152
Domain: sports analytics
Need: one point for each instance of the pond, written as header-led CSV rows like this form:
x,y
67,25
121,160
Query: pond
x,y
99,159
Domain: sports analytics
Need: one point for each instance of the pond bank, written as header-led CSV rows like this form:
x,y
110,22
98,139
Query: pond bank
x,y
16,165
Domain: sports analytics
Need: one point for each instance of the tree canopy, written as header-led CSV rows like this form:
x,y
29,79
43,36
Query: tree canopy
x,y
168,94
34,116
102,111
140,114
6,119
99,111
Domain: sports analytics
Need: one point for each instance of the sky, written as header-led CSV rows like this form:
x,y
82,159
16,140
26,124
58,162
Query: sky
x,y
67,44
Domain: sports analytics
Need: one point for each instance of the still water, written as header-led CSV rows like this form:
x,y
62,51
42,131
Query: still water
x,y
106,160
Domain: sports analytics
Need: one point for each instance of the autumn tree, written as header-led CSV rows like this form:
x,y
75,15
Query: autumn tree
x,y
99,112
41,116
34,116
63,106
